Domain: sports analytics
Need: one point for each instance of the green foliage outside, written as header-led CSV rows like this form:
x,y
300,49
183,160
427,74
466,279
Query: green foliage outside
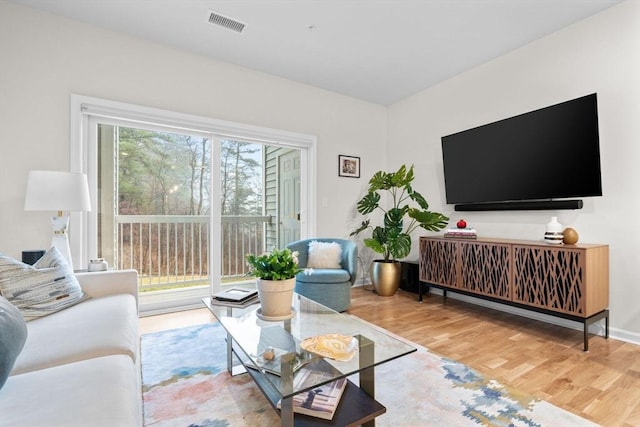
x,y
168,174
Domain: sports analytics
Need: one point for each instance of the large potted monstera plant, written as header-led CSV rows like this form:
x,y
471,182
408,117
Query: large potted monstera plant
x,y
408,211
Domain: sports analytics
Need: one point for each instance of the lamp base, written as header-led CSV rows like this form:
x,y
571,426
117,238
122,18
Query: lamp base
x,y
60,239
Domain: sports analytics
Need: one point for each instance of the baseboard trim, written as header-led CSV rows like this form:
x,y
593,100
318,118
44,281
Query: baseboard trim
x,y
172,300
148,311
596,328
623,335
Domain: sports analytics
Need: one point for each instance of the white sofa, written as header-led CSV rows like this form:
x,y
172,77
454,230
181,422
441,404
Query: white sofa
x,y
80,366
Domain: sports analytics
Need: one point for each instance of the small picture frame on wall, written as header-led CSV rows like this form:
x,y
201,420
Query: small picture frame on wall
x,y
348,166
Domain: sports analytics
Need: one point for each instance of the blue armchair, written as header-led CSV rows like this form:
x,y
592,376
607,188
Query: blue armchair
x,y
328,286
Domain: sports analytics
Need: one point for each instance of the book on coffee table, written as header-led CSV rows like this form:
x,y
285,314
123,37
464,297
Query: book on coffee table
x,y
321,401
238,304
236,294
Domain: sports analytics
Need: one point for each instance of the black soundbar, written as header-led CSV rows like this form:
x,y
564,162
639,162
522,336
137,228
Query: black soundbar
x,y
533,205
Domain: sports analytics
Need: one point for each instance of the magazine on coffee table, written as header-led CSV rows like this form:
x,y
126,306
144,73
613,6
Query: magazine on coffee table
x,y
321,401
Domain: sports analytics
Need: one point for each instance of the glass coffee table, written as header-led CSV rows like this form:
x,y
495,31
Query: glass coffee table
x,y
254,340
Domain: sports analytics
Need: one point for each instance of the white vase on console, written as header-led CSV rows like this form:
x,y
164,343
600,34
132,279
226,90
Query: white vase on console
x,y
554,235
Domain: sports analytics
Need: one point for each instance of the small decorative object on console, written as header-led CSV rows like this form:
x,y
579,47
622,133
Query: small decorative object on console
x,y
570,236
553,235
461,231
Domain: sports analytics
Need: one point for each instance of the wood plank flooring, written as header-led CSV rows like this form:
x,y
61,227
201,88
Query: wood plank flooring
x,y
547,361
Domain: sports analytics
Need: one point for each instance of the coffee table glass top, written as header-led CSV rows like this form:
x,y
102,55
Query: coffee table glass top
x,y
253,336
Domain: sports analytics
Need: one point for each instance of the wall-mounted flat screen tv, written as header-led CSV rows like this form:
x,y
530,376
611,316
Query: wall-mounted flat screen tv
x,y
543,155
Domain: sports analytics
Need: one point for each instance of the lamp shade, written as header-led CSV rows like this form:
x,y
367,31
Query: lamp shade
x,y
57,191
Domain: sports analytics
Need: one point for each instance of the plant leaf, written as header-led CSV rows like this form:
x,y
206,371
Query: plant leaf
x,y
377,181
368,203
374,245
393,219
400,245
431,221
363,226
417,197
393,239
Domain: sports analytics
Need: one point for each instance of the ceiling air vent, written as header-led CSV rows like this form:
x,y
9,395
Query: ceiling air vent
x,y
226,22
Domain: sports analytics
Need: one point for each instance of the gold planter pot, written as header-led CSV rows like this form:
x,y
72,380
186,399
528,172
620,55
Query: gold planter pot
x,y
385,277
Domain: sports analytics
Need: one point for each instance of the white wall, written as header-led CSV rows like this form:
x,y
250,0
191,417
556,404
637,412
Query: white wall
x,y
600,54
45,58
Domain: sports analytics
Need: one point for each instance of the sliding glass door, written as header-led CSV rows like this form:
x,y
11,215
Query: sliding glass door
x,y
154,203
184,207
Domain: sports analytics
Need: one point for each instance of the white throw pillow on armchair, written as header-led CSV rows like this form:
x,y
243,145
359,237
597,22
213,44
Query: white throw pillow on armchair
x,y
324,255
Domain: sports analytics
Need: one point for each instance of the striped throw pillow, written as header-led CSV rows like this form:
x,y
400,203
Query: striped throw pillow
x,y
44,288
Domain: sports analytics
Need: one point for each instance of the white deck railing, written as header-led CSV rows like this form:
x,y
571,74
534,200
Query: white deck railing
x,y
173,250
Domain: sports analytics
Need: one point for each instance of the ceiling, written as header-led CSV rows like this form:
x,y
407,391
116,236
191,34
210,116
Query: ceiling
x,y
375,50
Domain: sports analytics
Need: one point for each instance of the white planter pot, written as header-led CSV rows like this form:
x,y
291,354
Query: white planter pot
x,y
276,296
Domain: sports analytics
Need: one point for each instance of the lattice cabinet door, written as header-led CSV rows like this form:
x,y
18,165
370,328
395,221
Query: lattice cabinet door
x,y
485,269
438,261
550,278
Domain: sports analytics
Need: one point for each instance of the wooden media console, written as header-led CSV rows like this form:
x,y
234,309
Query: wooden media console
x,y
568,281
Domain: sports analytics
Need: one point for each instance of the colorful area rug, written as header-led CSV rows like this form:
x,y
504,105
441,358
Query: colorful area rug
x,y
185,383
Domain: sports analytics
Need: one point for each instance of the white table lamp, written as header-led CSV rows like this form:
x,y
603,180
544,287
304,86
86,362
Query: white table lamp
x,y
61,192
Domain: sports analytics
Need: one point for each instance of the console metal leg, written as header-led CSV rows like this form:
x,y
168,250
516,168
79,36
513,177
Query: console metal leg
x,y
599,316
585,325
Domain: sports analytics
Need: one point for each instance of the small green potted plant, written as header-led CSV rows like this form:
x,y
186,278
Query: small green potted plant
x,y
409,210
275,274
279,264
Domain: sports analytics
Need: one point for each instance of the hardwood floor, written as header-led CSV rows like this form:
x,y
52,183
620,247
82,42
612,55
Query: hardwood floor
x,y
547,361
